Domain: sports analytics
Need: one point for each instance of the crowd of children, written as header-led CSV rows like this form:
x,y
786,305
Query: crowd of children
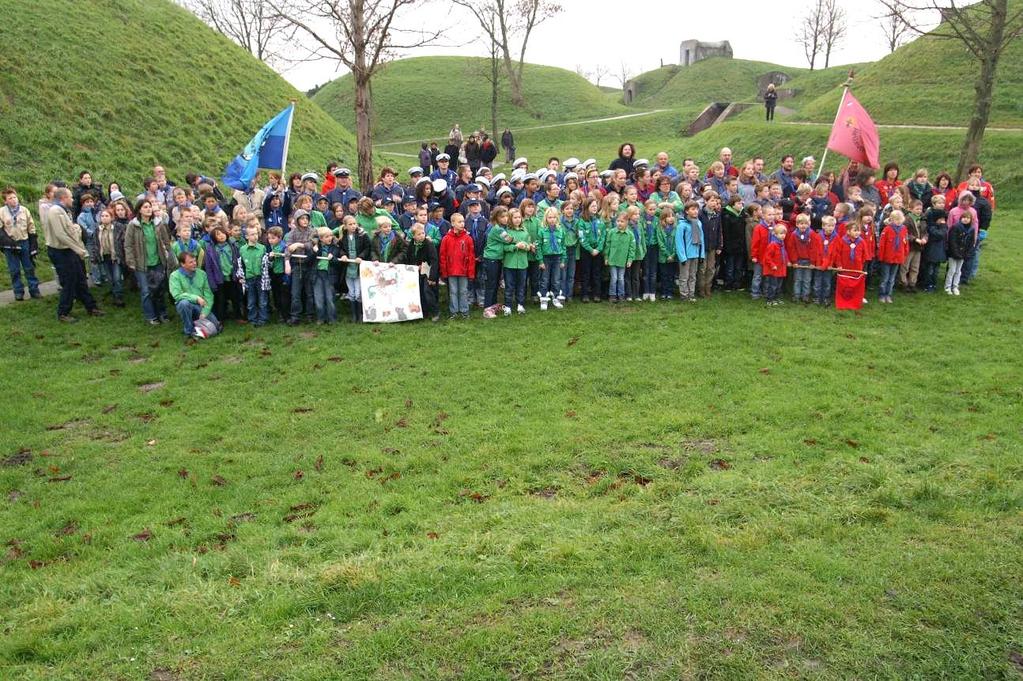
x,y
638,231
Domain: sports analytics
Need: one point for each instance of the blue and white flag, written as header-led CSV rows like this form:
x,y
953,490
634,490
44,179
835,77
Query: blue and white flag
x,y
268,149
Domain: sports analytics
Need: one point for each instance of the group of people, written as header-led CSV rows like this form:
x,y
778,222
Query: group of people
x,y
568,230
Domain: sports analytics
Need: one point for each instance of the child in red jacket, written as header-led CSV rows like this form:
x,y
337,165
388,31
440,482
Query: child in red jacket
x,y
824,244
850,252
892,250
775,265
800,245
758,242
458,266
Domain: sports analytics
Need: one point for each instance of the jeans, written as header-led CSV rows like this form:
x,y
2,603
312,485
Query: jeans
x,y
756,289
568,278
954,273
20,260
113,269
772,287
687,278
492,281
354,285
802,281
823,285
458,295
514,286
533,279
591,272
73,283
478,286
550,276
735,270
931,274
154,305
323,295
889,272
650,269
616,289
667,273
301,283
189,312
257,301
281,295
633,279
969,267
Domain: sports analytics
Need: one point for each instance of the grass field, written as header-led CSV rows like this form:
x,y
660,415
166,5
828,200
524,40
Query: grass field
x,y
415,98
650,491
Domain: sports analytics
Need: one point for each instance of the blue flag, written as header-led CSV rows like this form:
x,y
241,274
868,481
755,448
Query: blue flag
x,y
268,149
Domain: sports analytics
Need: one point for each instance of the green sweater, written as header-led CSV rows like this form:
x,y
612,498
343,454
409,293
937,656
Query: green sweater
x,y
191,288
592,236
620,248
666,244
369,222
532,225
494,248
515,258
572,233
673,198
252,259
638,232
549,243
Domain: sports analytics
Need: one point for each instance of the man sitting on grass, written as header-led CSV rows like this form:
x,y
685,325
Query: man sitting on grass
x,y
192,296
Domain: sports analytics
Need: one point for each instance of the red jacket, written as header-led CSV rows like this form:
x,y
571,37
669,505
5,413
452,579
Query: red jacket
x,y
986,190
800,249
761,234
886,189
894,245
328,185
775,258
844,256
457,255
823,245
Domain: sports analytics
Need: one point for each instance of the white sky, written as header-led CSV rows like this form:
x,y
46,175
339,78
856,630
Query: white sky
x,y
644,32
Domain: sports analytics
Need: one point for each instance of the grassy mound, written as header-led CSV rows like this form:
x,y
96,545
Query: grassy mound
x,y
929,82
712,80
424,96
115,86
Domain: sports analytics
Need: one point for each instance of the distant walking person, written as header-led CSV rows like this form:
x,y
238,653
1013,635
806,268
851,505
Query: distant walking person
x,y
68,255
770,100
508,144
455,136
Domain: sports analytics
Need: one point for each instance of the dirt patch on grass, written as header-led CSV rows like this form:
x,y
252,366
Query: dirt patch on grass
x,y
705,446
19,458
671,464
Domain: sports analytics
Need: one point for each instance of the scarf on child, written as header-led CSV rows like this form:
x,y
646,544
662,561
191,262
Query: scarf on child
x,y
900,231
696,233
852,247
106,239
780,242
826,238
803,235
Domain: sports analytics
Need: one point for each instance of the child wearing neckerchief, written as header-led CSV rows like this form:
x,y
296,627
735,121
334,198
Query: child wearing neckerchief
x,y
892,250
800,244
775,265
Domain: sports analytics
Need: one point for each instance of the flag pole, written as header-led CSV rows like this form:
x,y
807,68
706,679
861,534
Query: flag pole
x,y
846,85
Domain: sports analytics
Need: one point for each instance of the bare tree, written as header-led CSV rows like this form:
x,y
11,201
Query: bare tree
x,y
514,21
810,33
600,71
624,74
253,24
895,30
581,72
490,70
361,35
835,27
983,30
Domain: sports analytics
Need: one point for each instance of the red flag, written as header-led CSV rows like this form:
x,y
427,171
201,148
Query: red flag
x,y
849,291
854,134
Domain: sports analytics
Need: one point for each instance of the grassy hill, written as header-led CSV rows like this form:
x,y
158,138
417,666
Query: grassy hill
x,y
115,86
716,79
929,82
424,96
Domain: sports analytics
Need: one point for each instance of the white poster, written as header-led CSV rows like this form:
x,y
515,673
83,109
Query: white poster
x,y
390,293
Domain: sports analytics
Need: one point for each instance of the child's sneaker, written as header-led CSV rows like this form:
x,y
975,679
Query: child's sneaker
x,y
520,310
561,297
948,291
955,291
557,303
543,303
506,310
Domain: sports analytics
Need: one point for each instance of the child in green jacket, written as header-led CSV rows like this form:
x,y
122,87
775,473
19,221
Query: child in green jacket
x,y
493,256
619,254
591,249
572,224
516,262
667,262
551,245
532,224
634,280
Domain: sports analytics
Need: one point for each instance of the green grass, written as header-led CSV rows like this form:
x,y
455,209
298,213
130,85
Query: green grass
x,y
717,79
929,82
117,86
545,504
412,98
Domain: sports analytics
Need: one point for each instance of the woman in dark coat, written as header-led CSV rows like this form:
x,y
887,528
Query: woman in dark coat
x,y
626,159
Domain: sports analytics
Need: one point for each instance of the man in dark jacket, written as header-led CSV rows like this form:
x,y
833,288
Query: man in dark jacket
x,y
423,254
508,144
488,152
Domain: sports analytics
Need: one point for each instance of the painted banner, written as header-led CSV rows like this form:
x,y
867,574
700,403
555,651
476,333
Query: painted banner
x,y
390,293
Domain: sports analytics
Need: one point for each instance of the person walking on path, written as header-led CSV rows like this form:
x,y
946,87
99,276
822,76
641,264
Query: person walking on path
x,y
508,144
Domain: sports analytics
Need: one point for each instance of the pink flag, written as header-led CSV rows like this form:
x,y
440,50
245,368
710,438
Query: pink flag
x,y
854,134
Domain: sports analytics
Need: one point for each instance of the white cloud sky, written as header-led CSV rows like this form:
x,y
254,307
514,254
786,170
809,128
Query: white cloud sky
x,y
589,32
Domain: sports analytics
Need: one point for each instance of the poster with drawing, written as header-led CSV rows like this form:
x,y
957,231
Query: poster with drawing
x,y
390,293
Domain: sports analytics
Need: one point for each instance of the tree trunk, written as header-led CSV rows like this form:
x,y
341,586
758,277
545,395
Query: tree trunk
x,y
494,77
363,134
981,113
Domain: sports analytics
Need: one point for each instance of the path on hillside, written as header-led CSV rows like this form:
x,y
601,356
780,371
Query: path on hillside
x,y
47,288
620,117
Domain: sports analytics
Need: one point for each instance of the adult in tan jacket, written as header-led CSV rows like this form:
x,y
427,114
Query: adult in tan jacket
x,y
19,244
147,252
67,253
252,200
